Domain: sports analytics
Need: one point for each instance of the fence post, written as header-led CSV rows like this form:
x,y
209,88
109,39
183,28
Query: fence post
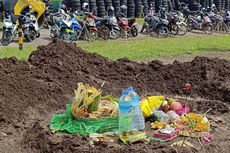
x,y
20,37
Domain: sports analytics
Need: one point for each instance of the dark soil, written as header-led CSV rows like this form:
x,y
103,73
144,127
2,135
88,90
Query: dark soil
x,y
32,91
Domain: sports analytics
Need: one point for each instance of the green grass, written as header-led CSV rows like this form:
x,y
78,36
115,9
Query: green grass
x,y
140,21
13,51
143,48
153,47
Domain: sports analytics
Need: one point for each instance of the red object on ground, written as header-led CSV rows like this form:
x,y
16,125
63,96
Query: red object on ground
x,y
186,109
165,136
187,86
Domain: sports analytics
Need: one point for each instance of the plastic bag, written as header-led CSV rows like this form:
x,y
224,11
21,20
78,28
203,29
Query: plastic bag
x,y
151,103
66,123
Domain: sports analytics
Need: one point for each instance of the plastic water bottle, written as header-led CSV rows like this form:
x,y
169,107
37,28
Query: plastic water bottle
x,y
138,118
125,112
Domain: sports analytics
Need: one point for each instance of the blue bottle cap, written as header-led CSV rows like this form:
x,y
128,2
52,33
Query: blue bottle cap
x,y
130,88
125,91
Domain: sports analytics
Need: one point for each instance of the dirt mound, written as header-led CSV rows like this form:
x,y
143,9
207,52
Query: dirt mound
x,y
39,138
43,85
46,82
67,64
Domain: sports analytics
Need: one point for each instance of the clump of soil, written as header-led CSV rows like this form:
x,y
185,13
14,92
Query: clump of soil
x,y
43,85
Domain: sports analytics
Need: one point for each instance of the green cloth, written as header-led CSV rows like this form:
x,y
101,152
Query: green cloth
x,y
66,123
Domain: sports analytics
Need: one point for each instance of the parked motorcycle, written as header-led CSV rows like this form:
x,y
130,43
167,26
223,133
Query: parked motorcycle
x,y
201,22
89,31
76,27
132,27
173,27
9,29
217,22
156,25
67,28
127,27
103,30
66,32
29,26
54,22
111,23
181,23
227,19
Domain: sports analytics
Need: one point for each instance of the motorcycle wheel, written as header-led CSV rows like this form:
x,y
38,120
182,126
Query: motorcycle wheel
x,y
6,38
103,32
152,33
66,37
145,27
174,29
228,27
189,27
54,32
162,32
93,35
182,30
123,33
38,35
208,29
114,34
76,35
134,31
30,36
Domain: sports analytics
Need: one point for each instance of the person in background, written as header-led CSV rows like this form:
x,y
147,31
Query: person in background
x,y
123,11
63,10
163,13
110,11
85,8
213,8
151,10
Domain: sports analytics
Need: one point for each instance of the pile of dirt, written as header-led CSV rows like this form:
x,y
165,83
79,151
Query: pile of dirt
x,y
67,65
46,82
43,85
39,138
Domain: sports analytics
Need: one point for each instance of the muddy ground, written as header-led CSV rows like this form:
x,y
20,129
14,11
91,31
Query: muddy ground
x,y
32,91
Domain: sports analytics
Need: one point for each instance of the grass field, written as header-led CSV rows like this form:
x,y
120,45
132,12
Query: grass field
x,y
149,48
10,52
141,49
139,21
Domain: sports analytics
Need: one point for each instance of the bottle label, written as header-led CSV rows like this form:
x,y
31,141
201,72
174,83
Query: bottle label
x,y
125,123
